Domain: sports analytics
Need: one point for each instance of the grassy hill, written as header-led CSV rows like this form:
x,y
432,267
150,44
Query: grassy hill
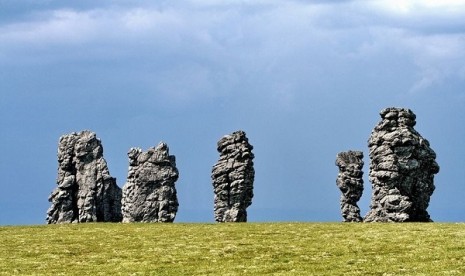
x,y
234,249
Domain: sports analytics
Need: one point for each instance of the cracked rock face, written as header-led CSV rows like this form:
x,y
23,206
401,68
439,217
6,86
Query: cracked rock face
x,y
350,182
402,169
233,178
86,192
149,194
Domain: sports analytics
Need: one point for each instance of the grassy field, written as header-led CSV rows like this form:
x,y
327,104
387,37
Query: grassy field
x,y
234,249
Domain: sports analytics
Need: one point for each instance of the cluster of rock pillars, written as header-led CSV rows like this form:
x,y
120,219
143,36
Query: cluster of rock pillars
x,y
402,169
87,193
402,172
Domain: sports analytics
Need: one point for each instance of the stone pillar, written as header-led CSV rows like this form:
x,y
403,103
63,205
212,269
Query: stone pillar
x,y
350,182
86,192
233,178
402,169
149,194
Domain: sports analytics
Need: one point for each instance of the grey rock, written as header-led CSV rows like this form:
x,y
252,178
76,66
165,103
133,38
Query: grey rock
x,y
402,169
350,182
149,194
233,178
86,192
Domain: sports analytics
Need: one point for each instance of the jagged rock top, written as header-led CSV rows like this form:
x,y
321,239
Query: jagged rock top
x,y
88,145
155,155
228,143
350,158
403,116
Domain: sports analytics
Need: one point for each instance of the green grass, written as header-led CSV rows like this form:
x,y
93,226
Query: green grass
x,y
234,249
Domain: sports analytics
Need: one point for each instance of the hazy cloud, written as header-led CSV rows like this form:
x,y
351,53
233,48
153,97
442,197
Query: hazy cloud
x,y
269,38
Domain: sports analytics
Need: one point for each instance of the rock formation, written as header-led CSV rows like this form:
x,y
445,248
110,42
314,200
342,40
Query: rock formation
x,y
350,182
149,194
402,169
233,178
86,192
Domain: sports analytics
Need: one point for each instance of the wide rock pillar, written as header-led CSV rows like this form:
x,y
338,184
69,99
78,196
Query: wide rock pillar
x,y
402,169
149,194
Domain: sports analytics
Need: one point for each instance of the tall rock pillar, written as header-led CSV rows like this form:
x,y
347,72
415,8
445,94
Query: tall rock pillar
x,y
402,169
86,192
233,178
350,182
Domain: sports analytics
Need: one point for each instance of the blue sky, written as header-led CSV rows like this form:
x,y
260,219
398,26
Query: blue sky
x,y
304,79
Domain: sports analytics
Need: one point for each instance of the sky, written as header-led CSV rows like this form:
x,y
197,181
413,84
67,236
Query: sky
x,y
304,79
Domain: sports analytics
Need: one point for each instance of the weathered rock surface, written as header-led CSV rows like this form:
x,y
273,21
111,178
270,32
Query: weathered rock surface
x,y
402,169
350,182
233,178
149,194
86,192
